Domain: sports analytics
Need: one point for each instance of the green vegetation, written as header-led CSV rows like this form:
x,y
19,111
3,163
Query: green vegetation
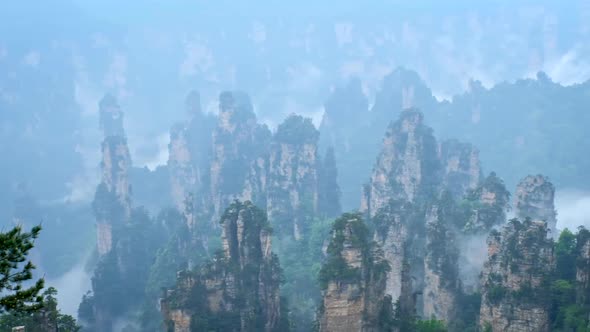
x,y
565,255
46,318
120,278
242,276
14,249
20,305
479,214
442,254
569,307
301,262
408,321
348,227
297,130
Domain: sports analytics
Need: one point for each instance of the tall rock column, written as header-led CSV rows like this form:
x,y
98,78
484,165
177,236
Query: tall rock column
x,y
292,198
489,203
329,190
534,198
112,200
239,142
236,291
345,127
183,178
395,226
515,278
407,167
353,280
461,167
442,287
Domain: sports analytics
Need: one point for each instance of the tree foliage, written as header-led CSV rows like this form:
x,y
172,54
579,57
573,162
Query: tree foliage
x,y
568,311
15,270
47,319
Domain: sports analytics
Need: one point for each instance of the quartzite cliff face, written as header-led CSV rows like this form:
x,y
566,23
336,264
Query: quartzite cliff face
x,y
345,127
407,166
515,279
488,205
395,232
534,198
189,154
292,198
353,279
236,291
238,143
183,175
461,167
112,201
442,285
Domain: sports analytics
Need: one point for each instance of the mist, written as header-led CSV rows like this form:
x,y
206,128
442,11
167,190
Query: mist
x,y
573,208
135,133
71,287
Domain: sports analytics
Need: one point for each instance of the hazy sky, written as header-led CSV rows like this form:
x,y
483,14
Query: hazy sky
x,y
287,55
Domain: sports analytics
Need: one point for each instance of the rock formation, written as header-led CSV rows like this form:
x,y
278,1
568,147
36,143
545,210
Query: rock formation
x,y
345,110
461,167
189,154
353,279
199,135
534,198
395,229
407,167
238,142
345,127
489,203
329,190
401,89
292,197
442,285
583,267
515,279
236,291
112,201
183,177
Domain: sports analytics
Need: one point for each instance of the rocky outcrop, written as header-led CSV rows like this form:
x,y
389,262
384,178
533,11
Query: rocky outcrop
x,y
489,203
111,116
345,108
112,201
292,197
239,289
461,167
199,135
401,89
189,155
329,190
345,127
442,286
352,279
395,228
583,267
183,177
238,143
534,198
407,167
515,278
